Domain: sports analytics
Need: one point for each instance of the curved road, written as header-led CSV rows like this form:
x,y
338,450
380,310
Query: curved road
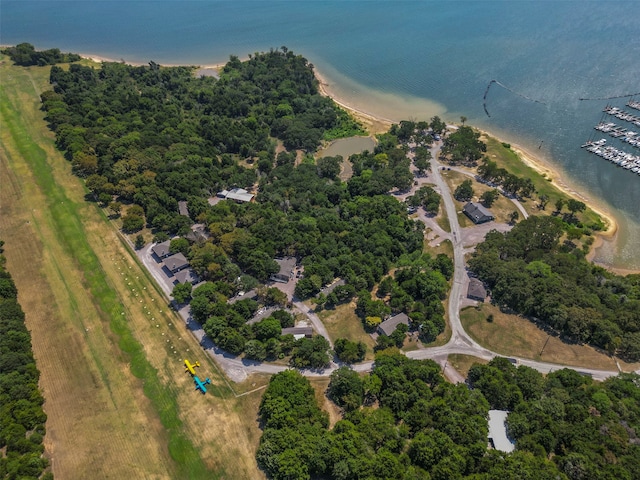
x,y
460,342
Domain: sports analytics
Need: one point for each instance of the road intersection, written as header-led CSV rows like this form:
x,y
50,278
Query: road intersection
x,y
459,343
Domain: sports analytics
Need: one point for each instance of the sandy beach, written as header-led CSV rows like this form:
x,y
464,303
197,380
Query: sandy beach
x,y
377,124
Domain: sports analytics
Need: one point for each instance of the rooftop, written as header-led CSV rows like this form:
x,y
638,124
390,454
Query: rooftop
x,y
186,275
389,326
477,212
237,194
161,249
298,332
498,431
183,209
176,262
476,289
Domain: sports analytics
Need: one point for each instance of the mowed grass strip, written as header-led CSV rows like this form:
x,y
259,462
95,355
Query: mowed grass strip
x,y
512,335
62,224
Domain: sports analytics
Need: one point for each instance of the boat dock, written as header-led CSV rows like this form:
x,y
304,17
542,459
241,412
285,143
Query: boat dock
x,y
623,159
631,103
622,115
627,136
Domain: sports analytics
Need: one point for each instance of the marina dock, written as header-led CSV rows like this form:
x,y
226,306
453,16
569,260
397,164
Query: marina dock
x,y
633,104
627,136
623,159
622,115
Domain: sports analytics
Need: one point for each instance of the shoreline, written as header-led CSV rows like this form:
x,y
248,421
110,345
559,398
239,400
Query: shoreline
x,y
376,124
526,156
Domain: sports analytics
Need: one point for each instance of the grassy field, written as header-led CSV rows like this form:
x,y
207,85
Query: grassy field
x,y
342,322
508,159
501,208
463,363
118,402
517,336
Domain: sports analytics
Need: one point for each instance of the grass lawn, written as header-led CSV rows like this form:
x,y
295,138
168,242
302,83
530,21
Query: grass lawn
x,y
501,208
517,336
445,247
463,363
442,220
118,402
508,159
342,322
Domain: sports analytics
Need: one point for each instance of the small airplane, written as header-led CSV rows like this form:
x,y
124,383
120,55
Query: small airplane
x,y
190,367
200,385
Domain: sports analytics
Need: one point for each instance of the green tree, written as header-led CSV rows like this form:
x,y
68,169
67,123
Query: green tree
x,y
139,243
464,191
346,388
132,223
348,351
488,197
182,293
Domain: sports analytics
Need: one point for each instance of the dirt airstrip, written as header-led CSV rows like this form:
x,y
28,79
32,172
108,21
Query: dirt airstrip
x,y
111,413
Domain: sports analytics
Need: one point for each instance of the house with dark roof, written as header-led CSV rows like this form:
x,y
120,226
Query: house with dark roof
x,y
186,276
476,290
477,213
176,262
389,326
161,250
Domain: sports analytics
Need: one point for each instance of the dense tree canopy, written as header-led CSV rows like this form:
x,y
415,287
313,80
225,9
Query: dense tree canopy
x,y
156,135
25,54
404,421
532,273
22,420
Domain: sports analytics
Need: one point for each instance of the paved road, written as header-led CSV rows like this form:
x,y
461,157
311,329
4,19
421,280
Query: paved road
x,y
460,343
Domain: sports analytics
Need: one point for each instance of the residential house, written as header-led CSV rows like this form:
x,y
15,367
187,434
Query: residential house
x,y
389,326
477,213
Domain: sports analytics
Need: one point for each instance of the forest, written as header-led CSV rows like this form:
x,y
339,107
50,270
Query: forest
x,y
534,270
22,420
147,137
403,421
152,136
25,54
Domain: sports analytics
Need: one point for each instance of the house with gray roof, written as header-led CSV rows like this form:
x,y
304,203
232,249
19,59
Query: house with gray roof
x,y
176,262
285,273
476,290
183,208
239,195
161,250
389,326
186,276
298,332
477,213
